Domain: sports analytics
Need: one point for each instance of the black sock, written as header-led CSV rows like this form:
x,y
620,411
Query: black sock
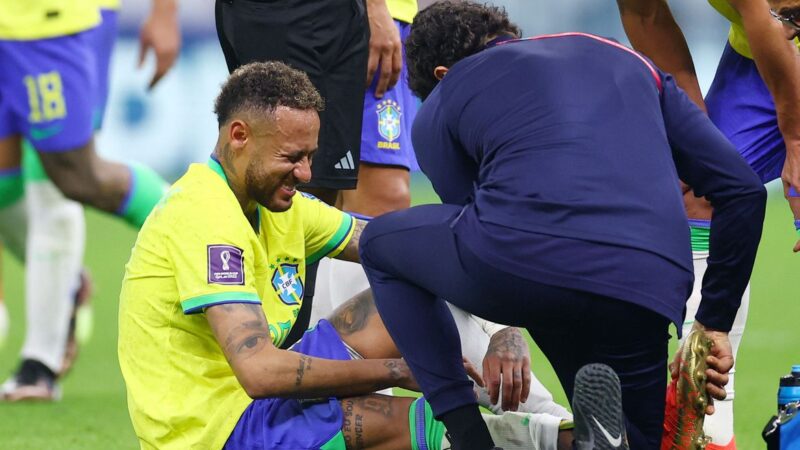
x,y
466,429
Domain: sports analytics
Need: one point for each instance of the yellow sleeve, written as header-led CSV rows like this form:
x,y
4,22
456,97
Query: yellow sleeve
x,y
327,230
212,258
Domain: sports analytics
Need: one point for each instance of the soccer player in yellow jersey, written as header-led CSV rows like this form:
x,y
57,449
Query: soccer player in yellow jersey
x,y
53,224
755,101
213,285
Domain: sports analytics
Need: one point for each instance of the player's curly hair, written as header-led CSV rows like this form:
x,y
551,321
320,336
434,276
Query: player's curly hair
x,y
263,86
447,32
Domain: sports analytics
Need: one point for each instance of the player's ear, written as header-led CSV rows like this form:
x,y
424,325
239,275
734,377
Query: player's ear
x,y
439,72
238,133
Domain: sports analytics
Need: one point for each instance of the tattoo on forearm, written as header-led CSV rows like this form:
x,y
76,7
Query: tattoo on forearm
x,y
248,337
305,364
395,371
510,341
354,314
350,252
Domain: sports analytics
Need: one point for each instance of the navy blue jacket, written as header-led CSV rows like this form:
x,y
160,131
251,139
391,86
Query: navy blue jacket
x,y
569,145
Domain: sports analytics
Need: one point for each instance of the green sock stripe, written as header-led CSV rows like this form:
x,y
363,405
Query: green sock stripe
x,y
32,169
412,424
434,429
700,231
146,190
12,187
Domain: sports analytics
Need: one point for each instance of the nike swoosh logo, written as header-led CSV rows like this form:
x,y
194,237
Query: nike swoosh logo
x,y
46,132
616,442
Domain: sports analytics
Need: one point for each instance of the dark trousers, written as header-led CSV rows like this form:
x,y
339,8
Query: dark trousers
x,y
326,39
413,259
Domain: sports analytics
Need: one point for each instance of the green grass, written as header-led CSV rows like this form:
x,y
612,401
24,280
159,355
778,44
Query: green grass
x,y
93,413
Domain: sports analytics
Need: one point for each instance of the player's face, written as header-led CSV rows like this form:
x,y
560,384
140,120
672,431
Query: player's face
x,y
281,158
788,13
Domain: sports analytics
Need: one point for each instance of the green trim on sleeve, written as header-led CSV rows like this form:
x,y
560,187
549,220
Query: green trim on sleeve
x,y
335,241
197,304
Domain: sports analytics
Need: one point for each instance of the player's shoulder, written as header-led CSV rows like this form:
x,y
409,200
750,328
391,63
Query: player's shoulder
x,y
200,198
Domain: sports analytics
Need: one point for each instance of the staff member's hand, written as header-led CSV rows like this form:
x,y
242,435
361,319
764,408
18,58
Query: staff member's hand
x,y
507,365
385,48
720,363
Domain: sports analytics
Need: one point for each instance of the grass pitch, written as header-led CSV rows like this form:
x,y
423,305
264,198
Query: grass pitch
x,y
93,413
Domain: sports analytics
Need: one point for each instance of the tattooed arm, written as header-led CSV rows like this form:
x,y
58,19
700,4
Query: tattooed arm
x,y
263,370
508,356
350,252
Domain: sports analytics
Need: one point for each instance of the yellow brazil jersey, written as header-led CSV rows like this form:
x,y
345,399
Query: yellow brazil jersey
x,y
736,35
195,250
108,4
402,10
40,19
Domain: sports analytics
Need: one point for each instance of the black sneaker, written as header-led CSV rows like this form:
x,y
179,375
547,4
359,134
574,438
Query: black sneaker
x,y
597,408
33,382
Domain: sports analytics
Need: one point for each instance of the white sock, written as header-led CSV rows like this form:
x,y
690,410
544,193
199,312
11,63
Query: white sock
x,y
4,323
54,257
523,431
718,426
14,227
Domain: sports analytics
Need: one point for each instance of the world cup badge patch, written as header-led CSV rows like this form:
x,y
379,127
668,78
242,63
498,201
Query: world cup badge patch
x,y
287,283
389,113
225,264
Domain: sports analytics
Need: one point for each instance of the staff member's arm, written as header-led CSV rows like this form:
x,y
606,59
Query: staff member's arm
x,y
653,31
709,163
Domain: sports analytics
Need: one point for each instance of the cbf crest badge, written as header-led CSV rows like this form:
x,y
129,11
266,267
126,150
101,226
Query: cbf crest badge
x,y
287,283
389,113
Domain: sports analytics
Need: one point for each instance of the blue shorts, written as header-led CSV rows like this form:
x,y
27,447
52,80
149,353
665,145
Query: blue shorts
x,y
102,39
291,424
47,91
741,106
386,128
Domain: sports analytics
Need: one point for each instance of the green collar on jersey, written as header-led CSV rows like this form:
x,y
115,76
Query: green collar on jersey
x,y
217,167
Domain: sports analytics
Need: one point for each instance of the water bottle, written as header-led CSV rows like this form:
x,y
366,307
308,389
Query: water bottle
x,y
789,390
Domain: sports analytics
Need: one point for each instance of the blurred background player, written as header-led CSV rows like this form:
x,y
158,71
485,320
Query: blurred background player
x,y
56,232
754,100
46,46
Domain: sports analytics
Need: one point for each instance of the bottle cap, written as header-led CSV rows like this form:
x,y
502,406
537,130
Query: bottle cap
x,y
792,380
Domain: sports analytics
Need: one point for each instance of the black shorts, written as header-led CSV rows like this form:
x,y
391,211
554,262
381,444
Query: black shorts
x,y
327,39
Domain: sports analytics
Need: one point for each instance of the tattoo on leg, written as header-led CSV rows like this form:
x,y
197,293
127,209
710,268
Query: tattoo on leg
x,y
347,409
359,431
305,364
354,314
378,404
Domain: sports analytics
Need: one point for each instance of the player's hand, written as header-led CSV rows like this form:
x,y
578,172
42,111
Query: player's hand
x,y
796,247
472,372
791,170
507,365
385,48
160,33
